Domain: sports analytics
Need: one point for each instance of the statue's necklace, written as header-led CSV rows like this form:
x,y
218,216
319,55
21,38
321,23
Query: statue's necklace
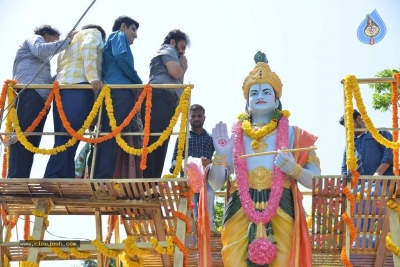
x,y
260,145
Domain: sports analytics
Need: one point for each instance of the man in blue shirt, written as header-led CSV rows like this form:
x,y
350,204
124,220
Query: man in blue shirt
x,y
373,158
118,68
200,146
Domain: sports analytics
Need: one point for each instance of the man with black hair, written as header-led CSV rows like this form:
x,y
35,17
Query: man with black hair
x,y
168,66
373,158
79,64
30,56
118,68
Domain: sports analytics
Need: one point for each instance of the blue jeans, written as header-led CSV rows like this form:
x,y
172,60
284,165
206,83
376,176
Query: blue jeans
x,y
106,157
77,105
30,103
210,204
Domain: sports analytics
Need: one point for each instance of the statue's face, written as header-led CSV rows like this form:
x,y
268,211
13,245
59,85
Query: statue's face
x,y
262,98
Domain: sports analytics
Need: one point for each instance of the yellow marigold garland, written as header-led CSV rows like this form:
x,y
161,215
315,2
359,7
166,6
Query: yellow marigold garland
x,y
126,261
132,250
60,253
29,264
169,250
104,250
43,215
79,254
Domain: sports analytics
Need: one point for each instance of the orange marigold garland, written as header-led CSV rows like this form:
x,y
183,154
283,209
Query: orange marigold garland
x,y
146,130
184,218
27,226
112,221
184,250
395,121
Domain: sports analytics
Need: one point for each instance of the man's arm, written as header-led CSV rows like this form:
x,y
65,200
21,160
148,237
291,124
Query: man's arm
x,y
176,67
121,51
43,50
387,157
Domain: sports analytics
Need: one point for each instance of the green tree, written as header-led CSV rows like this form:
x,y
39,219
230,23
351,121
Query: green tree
x,y
382,97
219,211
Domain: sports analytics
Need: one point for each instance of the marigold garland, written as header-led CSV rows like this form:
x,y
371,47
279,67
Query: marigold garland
x,y
169,250
126,261
188,194
37,213
104,250
60,253
42,113
146,130
29,264
6,261
184,250
112,221
79,254
392,246
184,218
351,198
132,250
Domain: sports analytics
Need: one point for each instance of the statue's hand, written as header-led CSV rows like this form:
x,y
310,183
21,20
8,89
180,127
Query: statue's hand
x,y
222,143
285,161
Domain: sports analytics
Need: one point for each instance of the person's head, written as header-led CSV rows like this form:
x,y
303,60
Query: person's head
x,y
358,122
49,33
94,26
197,116
128,26
177,39
262,88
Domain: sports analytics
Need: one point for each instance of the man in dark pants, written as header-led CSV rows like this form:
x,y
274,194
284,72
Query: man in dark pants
x,y
80,63
118,68
168,66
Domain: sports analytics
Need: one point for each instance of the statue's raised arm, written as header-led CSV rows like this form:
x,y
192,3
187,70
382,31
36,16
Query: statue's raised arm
x,y
222,161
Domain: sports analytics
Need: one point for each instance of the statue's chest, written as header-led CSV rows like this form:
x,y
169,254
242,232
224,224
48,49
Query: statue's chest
x,y
265,144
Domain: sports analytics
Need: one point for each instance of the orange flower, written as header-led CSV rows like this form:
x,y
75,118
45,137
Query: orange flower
x,y
79,137
351,198
112,221
184,218
27,226
184,250
146,130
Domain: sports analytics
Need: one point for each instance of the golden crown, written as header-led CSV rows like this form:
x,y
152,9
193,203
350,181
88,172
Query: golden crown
x,y
262,74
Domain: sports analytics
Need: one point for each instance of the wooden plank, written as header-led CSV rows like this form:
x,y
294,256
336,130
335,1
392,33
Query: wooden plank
x,y
180,233
395,229
38,230
99,235
160,233
381,251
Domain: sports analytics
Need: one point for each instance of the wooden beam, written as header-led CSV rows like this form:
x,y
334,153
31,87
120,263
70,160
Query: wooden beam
x,y
89,247
180,232
2,249
160,233
381,251
113,86
395,230
38,230
99,235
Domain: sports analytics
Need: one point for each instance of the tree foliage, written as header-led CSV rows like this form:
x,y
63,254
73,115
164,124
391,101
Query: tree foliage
x,y
381,98
93,263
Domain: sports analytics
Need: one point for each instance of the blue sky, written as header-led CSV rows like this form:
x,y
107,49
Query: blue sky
x,y
311,44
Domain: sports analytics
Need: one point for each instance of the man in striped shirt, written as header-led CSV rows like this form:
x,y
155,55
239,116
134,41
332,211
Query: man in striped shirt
x,y
80,63
200,146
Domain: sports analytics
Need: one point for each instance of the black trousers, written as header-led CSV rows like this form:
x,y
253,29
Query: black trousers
x,y
163,108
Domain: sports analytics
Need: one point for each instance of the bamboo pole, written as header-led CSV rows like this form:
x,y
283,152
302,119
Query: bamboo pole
x,y
113,86
373,80
276,152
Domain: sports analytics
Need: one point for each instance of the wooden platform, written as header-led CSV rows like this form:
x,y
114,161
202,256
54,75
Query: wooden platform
x,y
145,205
328,230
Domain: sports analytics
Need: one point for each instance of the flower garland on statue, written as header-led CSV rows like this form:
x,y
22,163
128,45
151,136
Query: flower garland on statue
x,y
256,134
261,251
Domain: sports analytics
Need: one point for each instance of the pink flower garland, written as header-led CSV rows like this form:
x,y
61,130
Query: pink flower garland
x,y
260,251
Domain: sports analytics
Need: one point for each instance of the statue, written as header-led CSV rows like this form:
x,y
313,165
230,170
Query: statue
x,y
264,223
